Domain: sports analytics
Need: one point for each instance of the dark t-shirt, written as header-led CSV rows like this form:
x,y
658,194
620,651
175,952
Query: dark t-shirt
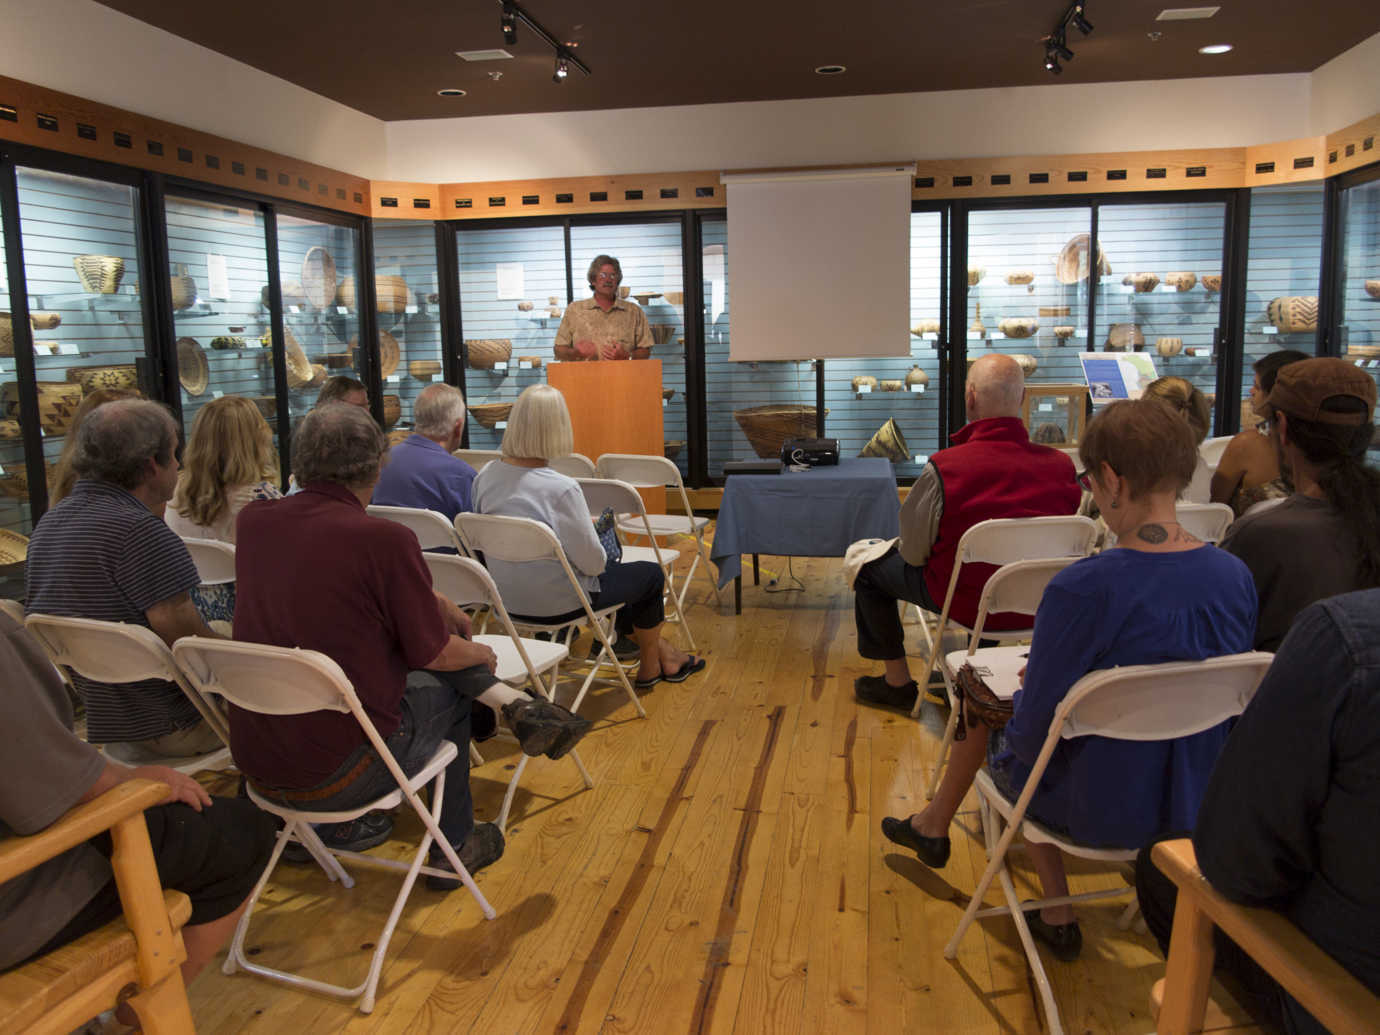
x,y
314,571
1299,551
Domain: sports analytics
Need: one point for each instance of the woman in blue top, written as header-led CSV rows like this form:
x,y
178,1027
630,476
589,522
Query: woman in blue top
x,y
1159,595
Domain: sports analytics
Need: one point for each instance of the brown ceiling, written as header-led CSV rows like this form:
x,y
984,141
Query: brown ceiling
x,y
389,59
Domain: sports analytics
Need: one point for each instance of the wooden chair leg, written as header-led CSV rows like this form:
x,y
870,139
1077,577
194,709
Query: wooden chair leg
x,y
163,1009
1188,978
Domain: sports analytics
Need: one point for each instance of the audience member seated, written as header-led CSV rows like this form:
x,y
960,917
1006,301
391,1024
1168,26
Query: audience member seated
x,y
62,479
1288,818
1159,595
420,471
1248,472
339,388
211,849
315,571
992,470
521,484
230,461
1191,404
1325,538
105,553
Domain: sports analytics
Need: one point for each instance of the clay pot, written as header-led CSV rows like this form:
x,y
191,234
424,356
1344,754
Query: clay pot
x,y
1019,327
1169,346
1142,282
1063,332
916,376
890,386
1123,336
1372,289
925,327
1027,362
864,381
1211,282
1181,281
1294,314
525,307
975,274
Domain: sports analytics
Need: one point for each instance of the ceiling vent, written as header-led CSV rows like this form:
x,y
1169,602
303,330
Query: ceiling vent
x,y
1186,14
496,54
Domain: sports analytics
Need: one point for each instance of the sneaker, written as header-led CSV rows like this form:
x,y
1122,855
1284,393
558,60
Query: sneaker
x,y
369,831
543,727
482,848
624,648
876,690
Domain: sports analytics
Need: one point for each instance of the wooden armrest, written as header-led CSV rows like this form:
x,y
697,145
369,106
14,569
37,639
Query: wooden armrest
x,y
19,854
1326,988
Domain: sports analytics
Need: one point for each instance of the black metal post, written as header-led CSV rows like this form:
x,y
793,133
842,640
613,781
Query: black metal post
x,y
278,359
692,272
1229,349
155,296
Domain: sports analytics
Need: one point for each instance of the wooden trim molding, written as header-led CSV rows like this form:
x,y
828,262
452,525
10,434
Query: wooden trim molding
x,y
1354,146
636,192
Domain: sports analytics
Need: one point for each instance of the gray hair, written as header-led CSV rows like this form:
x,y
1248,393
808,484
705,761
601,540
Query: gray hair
x,y
437,409
338,443
603,260
539,426
337,387
116,441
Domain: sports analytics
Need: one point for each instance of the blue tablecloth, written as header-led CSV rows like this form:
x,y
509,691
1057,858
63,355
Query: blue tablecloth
x,y
814,513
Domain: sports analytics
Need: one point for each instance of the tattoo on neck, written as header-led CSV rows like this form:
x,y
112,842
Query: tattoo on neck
x,y
1152,533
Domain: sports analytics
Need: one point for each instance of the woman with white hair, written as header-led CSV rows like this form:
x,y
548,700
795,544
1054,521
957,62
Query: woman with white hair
x,y
522,484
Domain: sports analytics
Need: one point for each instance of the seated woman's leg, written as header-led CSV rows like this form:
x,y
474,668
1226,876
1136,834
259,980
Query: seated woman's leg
x,y
638,587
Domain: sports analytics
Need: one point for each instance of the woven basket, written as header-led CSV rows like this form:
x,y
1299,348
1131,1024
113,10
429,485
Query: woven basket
x,y
14,548
9,428
91,379
424,369
489,414
1063,332
193,371
674,297
925,327
1123,336
1294,314
390,353
483,353
525,307
864,381
662,332
668,394
1169,346
888,443
338,360
392,410
391,294
57,404
396,437
1142,282
43,321
183,289
1181,281
1368,351
318,276
15,485
1373,288
1028,363
1019,327
975,275
768,427
1211,281
1072,264
290,290
672,447
318,375
642,299
1020,277
532,361
6,335
227,341
267,405
1053,310
99,274
890,385
298,366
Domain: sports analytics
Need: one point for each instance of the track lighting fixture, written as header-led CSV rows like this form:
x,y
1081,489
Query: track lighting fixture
x,y
1056,46
562,69
513,13
1052,62
1084,26
509,23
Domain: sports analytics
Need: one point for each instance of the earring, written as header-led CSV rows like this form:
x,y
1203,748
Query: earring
x,y
1115,504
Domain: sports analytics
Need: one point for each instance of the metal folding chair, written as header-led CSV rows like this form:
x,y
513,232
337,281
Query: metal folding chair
x,y
432,528
576,465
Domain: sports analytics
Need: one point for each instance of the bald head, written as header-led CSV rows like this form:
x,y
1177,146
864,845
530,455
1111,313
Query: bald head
x,y
995,387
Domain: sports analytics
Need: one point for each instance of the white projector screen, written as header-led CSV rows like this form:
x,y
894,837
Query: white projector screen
x,y
820,264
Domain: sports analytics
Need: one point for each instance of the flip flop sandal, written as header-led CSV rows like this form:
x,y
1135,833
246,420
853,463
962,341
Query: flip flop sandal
x,y
646,684
691,666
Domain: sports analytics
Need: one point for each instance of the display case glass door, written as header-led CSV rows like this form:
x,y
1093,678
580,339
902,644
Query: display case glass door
x,y
407,313
15,515
1358,280
513,293
218,255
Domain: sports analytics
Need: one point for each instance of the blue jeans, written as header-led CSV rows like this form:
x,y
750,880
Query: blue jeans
x,y
435,707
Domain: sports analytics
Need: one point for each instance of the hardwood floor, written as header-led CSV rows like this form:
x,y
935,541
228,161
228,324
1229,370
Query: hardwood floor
x,y
726,874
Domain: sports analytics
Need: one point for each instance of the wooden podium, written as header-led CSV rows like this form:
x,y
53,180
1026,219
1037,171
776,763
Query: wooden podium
x,y
615,407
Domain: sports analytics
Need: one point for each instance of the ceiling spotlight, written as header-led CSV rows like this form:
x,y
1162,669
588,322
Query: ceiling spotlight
x,y
509,22
1084,26
1215,48
1052,62
1057,45
562,69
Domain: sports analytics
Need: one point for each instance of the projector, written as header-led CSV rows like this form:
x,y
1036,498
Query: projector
x,y
810,452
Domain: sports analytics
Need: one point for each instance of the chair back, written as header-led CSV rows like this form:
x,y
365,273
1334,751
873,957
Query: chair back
x,y
264,679
430,527
466,582
645,472
476,458
214,560
623,498
1212,449
1016,587
1206,521
1005,540
513,539
576,465
13,608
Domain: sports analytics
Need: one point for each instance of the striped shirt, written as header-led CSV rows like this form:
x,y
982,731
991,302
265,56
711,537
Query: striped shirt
x,y
102,554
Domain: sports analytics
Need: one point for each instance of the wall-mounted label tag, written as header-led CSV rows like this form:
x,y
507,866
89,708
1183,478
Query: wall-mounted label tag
x,y
342,310
438,377
524,364
917,389
393,379
411,310
864,389
68,349
500,425
217,395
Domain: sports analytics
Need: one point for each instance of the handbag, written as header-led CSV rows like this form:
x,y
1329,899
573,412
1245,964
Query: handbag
x,y
977,703
605,528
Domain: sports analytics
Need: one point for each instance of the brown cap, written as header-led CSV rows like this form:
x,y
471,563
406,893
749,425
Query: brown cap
x,y
1302,388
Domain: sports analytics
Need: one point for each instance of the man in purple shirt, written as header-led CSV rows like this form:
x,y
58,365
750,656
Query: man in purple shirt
x,y
420,471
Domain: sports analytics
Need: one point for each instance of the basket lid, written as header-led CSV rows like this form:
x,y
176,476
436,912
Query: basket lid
x,y
318,277
298,366
14,548
192,368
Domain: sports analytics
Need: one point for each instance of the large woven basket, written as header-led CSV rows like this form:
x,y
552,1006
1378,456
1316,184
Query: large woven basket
x,y
392,410
489,414
662,332
391,294
14,548
768,427
57,404
390,353
193,371
1294,314
298,366
91,379
318,277
483,353
183,289
6,335
1072,264
1124,336
99,274
424,369
888,443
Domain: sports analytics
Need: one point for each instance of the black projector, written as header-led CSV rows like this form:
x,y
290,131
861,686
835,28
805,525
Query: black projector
x,y
810,452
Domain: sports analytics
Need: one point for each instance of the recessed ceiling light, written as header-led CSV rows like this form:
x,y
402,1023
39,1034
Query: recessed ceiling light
x,y
492,54
450,91
1216,48
1185,14
831,70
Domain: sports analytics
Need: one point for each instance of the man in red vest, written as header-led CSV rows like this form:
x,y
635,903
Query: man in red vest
x,y
992,470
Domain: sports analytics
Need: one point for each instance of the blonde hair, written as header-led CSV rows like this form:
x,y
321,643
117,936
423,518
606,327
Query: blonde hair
x,y
64,476
231,445
1183,397
539,426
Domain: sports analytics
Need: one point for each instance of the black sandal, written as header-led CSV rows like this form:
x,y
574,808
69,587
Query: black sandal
x,y
691,666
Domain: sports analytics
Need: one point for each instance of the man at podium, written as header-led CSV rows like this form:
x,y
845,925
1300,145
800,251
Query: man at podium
x,y
605,326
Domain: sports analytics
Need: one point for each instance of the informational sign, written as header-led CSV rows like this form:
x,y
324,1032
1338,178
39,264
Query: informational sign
x,y
217,277
510,279
1117,375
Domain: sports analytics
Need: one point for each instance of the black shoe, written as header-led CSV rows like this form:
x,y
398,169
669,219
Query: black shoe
x,y
1064,940
932,851
369,831
482,848
876,690
625,648
544,728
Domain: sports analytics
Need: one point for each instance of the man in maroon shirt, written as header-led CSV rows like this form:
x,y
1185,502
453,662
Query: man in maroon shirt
x,y
314,570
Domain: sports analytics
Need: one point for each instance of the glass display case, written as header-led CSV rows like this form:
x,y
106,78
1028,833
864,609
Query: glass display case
x,y
1358,277
890,406
15,514
405,270
512,297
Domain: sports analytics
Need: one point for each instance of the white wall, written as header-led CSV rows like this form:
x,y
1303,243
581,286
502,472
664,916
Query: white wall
x,y
82,48
1133,116
1346,89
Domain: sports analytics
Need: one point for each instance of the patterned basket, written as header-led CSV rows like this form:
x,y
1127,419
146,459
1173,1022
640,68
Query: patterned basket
x,y
390,353
391,294
1020,277
890,385
864,381
424,369
483,353
925,327
1142,282
662,332
193,371
1211,281
1169,346
1181,281
99,274
888,443
489,414
1123,336
1072,264
392,410
91,379
298,366
14,548
674,297
318,277
672,447
1296,314
1019,327
767,427
1373,288
1053,310
57,404
183,289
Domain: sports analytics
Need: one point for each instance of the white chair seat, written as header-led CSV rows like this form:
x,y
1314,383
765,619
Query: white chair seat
x,y
510,668
999,667
132,754
634,554
664,524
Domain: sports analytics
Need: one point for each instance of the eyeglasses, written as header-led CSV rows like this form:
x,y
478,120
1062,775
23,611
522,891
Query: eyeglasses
x,y
1085,480
606,276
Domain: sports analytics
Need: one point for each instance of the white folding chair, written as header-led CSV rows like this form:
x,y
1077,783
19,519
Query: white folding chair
x,y
576,465
1206,521
289,681
13,608
1001,541
467,583
649,472
1135,702
625,500
477,458
432,529
1013,588
520,540
214,560
1212,449
120,652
